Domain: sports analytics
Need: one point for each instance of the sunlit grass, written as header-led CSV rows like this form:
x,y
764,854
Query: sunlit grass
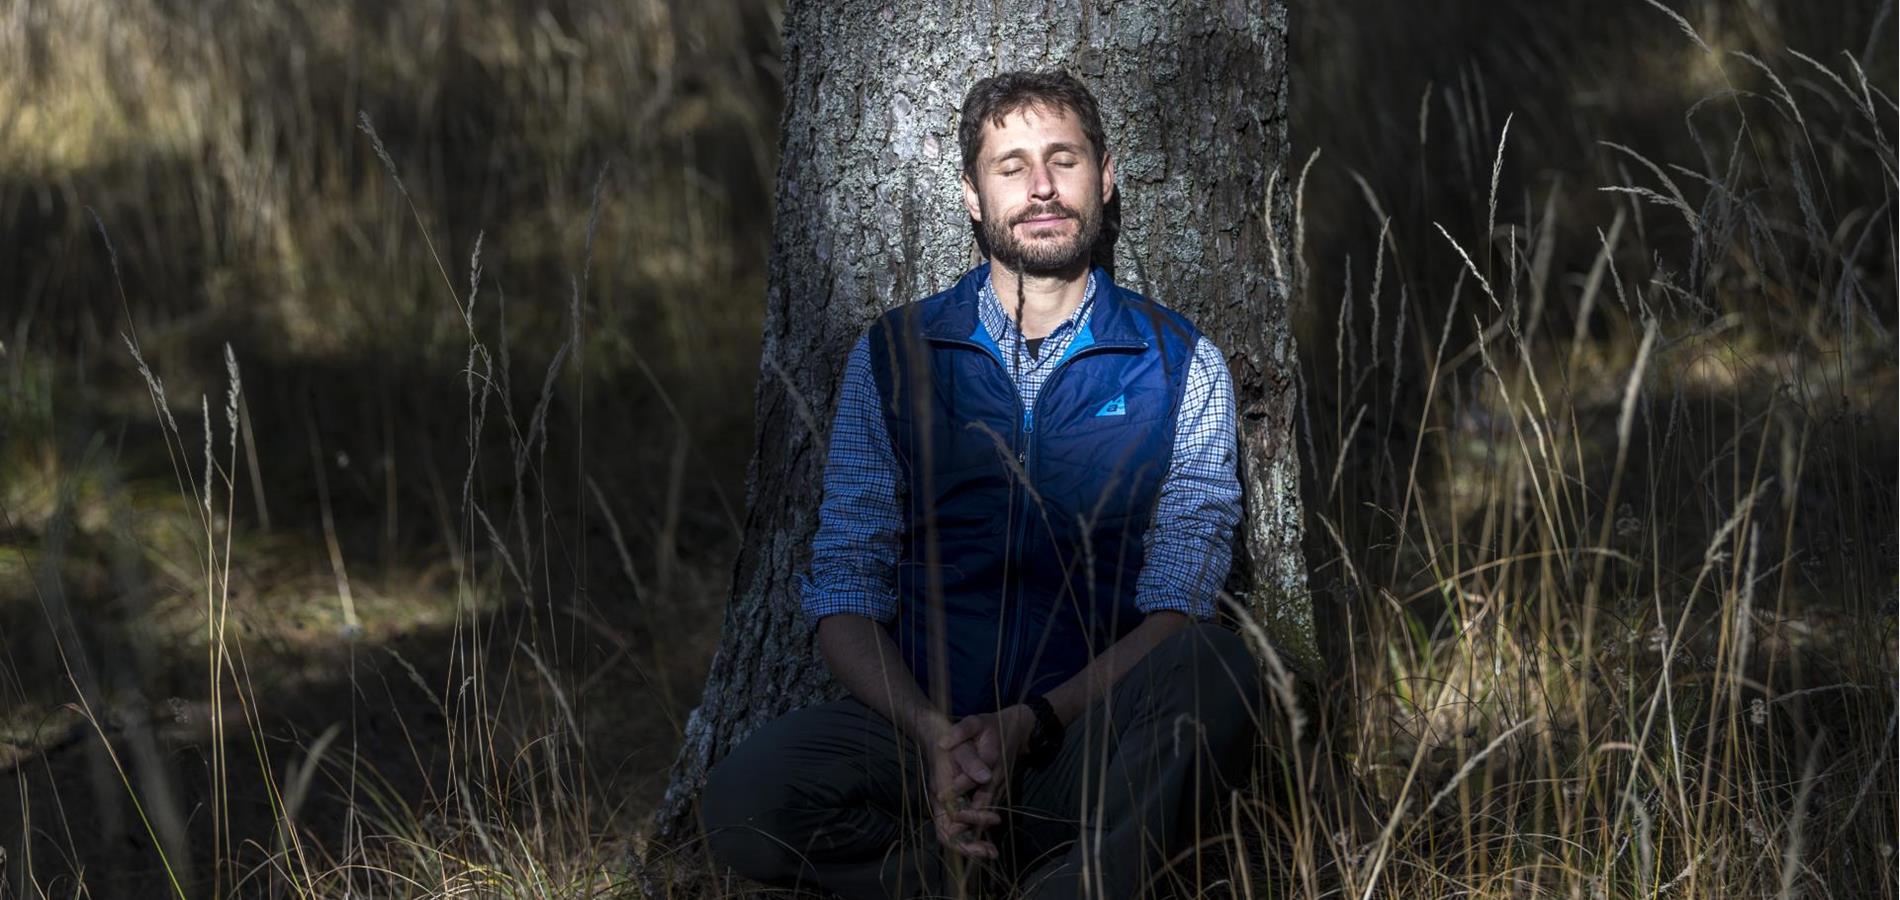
x,y
1622,592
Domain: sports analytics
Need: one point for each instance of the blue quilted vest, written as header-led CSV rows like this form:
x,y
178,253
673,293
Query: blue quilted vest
x,y
1023,528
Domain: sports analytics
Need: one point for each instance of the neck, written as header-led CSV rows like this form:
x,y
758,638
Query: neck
x,y
1047,299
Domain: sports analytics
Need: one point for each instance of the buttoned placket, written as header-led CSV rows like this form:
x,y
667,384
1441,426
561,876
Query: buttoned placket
x,y
1008,335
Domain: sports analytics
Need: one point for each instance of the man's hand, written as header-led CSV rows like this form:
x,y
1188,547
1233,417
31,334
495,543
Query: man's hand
x,y
862,655
950,785
977,752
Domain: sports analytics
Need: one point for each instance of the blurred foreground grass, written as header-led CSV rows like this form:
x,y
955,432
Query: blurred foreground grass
x,y
192,176
1601,482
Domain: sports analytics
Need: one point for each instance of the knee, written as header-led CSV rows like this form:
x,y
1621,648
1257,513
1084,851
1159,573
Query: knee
x,y
1226,674
744,827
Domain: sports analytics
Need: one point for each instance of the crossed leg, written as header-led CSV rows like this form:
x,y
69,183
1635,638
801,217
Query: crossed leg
x,y
1139,770
833,797
829,797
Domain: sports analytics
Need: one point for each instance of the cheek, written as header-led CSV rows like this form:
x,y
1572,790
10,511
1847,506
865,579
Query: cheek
x,y
1075,185
983,195
997,196
997,208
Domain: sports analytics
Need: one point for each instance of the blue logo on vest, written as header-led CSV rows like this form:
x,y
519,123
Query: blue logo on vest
x,y
1115,407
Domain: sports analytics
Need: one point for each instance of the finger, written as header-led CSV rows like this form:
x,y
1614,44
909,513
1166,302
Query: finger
x,y
962,731
965,843
976,849
977,818
950,831
984,798
963,811
943,787
967,760
949,788
989,746
946,801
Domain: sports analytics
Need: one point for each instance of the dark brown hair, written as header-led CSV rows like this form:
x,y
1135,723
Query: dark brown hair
x,y
994,98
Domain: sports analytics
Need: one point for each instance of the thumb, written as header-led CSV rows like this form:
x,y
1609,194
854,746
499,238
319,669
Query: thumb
x,y
959,732
989,746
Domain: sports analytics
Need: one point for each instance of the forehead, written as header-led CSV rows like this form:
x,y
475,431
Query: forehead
x,y
1031,128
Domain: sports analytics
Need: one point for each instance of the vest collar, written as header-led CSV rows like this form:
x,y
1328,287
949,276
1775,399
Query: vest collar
x,y
1111,322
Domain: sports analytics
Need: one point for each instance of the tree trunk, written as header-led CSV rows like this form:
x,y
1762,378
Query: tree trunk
x,y
868,216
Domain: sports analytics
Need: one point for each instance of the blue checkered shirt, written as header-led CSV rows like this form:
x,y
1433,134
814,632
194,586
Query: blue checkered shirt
x,y
1187,545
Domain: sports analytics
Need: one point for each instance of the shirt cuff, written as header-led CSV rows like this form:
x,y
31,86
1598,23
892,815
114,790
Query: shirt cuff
x,y
1199,612
820,602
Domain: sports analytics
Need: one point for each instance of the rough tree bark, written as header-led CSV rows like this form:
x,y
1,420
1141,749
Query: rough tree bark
x,y
1193,97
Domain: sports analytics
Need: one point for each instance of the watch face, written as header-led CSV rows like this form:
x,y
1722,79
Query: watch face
x,y
1045,738
1043,742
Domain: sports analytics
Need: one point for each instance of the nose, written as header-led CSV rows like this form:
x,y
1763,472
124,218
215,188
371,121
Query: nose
x,y
1041,186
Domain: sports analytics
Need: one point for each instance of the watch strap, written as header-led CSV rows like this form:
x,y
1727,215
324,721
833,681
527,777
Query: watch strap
x,y
1045,740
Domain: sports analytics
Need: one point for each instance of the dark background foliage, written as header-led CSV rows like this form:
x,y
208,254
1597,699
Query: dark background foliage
x,y
188,177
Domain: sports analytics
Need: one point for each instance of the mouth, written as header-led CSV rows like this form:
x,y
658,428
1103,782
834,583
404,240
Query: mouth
x,y
1039,221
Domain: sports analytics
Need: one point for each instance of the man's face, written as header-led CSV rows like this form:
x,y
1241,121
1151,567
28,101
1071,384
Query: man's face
x,y
1037,192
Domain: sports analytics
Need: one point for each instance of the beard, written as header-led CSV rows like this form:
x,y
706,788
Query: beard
x,y
1051,255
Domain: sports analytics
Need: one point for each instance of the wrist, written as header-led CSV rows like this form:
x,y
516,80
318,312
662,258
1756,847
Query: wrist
x,y
1019,722
927,727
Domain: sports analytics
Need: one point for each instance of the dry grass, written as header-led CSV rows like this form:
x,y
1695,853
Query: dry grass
x,y
1600,468
1616,528
403,634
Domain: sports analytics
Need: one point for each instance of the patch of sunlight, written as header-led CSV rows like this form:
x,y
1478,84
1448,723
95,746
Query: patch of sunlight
x,y
26,730
87,84
16,572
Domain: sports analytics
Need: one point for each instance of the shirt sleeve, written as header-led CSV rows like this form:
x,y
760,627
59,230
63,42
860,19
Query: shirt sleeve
x,y
1188,546
854,554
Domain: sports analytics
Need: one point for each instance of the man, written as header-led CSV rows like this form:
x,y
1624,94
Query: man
x,y
1029,503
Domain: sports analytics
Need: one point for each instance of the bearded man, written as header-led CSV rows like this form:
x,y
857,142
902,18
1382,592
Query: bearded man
x,y
1030,499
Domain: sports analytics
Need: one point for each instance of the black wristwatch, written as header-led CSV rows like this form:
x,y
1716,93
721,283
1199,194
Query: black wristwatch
x,y
1045,740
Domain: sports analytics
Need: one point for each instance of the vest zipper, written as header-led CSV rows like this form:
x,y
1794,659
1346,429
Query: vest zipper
x,y
1022,507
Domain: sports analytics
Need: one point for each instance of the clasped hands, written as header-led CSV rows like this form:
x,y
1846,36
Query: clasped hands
x,y
969,763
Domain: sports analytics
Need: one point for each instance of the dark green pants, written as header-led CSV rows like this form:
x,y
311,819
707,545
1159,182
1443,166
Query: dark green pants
x,y
833,797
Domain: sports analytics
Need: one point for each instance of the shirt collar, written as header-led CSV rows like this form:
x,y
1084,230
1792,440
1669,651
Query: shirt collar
x,y
1002,327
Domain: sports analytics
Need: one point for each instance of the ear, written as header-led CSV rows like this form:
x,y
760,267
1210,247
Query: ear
x,y
1108,178
971,201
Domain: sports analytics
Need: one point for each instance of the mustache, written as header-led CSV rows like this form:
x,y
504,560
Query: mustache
x,y
1052,209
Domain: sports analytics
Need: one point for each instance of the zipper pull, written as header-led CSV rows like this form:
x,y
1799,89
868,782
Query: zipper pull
x,y
1029,420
